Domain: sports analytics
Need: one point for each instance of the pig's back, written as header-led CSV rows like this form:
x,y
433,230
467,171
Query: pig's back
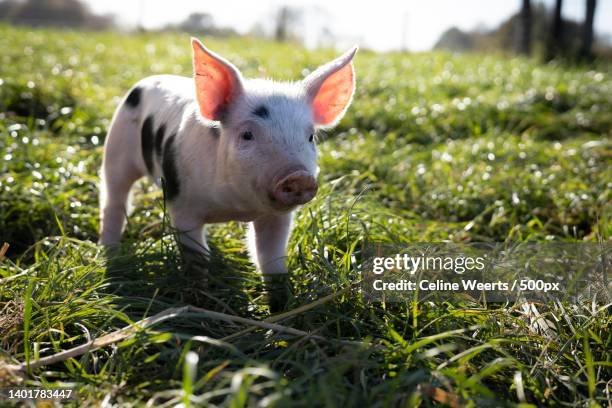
x,y
165,94
161,108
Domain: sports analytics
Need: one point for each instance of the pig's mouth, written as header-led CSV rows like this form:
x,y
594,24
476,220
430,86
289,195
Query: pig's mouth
x,y
278,206
296,188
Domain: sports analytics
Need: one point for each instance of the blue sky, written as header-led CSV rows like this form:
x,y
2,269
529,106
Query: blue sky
x,y
381,24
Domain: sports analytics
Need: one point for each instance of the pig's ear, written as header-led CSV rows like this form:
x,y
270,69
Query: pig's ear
x,y
330,88
218,83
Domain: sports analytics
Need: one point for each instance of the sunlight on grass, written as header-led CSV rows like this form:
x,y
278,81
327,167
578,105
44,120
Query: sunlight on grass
x,y
436,147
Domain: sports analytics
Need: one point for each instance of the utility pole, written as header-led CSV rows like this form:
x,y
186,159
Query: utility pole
x,y
404,39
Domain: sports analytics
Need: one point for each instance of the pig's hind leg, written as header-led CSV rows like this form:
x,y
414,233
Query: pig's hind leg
x,y
120,169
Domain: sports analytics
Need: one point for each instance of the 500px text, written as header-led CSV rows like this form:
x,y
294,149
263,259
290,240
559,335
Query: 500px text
x,y
465,285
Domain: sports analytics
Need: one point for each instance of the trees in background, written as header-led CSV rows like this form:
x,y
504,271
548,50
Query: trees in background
x,y
202,24
532,28
57,13
555,43
456,40
586,52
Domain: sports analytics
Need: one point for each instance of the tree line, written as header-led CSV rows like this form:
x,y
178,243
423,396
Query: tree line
x,y
533,30
557,38
56,13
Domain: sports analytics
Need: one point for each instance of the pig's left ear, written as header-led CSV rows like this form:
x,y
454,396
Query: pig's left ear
x,y
218,82
330,88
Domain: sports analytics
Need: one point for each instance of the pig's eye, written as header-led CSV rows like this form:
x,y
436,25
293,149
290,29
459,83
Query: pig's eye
x,y
311,138
247,136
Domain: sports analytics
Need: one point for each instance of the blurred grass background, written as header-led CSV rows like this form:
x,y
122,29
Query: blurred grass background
x,y
436,146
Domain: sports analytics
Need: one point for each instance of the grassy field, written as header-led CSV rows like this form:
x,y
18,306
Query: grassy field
x,y
436,147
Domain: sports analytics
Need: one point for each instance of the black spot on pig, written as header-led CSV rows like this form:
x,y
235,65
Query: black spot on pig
x,y
133,99
147,143
159,139
170,175
262,112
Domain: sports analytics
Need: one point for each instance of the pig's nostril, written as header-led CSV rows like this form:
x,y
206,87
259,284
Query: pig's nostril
x,y
297,188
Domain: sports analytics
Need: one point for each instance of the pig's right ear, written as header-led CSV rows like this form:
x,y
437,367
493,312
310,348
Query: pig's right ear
x,y
217,81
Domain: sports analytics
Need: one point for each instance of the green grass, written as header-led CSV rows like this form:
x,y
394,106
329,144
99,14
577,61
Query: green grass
x,y
435,147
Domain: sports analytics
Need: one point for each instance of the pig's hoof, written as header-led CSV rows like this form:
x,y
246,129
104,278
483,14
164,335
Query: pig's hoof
x,y
194,260
110,250
278,291
196,268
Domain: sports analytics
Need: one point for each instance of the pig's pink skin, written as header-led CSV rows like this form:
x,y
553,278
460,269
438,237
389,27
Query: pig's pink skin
x,y
212,171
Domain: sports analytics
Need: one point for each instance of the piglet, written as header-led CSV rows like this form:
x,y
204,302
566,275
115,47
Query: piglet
x,y
223,148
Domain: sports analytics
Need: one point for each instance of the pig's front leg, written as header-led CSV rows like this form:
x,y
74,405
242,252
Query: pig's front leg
x,y
271,233
269,236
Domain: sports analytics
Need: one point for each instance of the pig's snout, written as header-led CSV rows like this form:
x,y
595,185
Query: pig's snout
x,y
297,188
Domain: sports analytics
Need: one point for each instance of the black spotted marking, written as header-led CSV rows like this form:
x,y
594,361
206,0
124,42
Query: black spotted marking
x,y
172,185
159,140
262,112
133,99
147,143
